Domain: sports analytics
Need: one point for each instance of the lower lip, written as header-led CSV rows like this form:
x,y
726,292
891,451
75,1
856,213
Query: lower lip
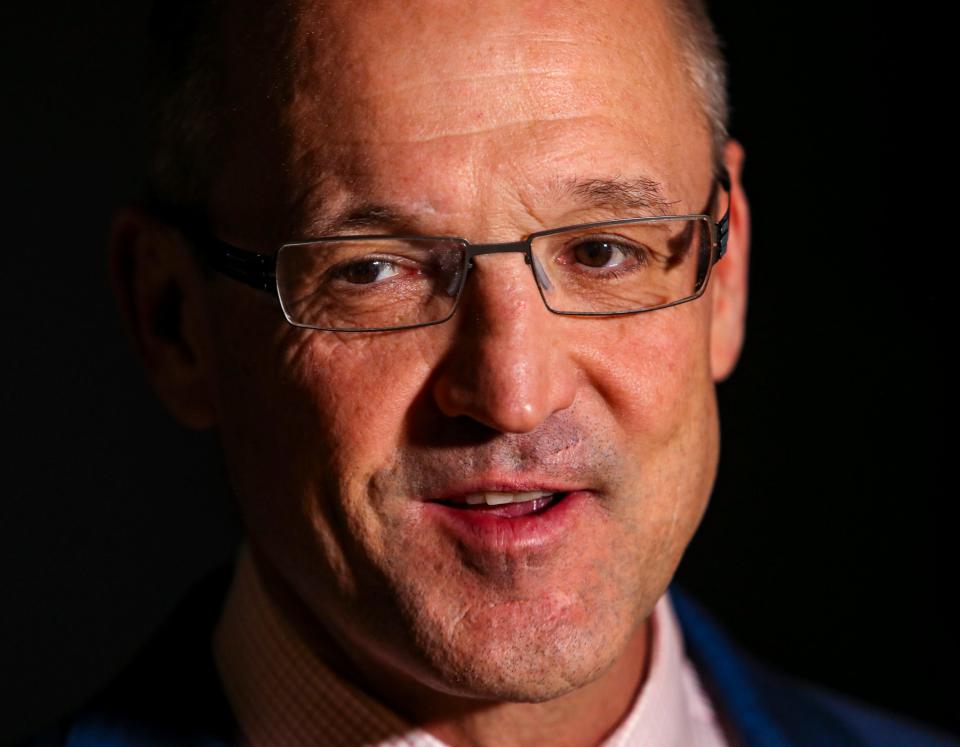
x,y
484,531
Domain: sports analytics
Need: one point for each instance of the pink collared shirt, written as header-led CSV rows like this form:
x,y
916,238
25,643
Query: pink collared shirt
x,y
284,696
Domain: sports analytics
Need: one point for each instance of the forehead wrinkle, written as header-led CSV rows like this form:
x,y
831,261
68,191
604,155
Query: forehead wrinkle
x,y
554,70
500,127
554,96
321,210
326,82
339,203
533,74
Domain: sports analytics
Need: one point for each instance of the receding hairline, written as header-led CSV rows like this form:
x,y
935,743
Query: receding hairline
x,y
188,114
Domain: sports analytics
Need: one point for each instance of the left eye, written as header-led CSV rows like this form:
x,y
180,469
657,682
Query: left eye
x,y
603,253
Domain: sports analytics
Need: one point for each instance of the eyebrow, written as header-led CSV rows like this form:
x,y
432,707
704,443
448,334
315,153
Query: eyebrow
x,y
639,195
359,218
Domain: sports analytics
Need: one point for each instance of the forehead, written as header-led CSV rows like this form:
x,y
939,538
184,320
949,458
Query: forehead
x,y
447,105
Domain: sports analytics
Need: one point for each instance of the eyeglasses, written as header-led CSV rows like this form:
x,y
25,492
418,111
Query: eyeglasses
x,y
383,283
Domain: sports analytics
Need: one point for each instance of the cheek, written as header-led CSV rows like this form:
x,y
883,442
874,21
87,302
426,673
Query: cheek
x,y
653,377
306,418
652,372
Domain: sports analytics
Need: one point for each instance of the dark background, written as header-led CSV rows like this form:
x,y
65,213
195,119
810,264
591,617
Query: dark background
x,y
829,547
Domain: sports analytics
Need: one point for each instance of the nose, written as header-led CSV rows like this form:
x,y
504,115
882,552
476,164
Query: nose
x,y
506,366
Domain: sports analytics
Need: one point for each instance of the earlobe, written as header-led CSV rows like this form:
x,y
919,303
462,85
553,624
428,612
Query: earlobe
x,y
728,283
161,294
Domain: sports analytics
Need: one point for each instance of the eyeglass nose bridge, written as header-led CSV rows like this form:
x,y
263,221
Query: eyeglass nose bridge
x,y
524,246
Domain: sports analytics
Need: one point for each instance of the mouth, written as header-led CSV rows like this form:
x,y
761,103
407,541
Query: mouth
x,y
497,519
507,505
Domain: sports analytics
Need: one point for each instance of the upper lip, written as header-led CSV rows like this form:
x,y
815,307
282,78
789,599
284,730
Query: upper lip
x,y
457,492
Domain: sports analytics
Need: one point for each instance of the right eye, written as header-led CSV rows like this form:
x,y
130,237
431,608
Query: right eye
x,y
366,271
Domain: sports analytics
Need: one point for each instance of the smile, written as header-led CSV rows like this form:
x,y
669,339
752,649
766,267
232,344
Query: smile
x,y
507,505
487,521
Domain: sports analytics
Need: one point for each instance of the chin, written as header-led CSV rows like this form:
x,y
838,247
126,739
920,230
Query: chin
x,y
520,676
518,657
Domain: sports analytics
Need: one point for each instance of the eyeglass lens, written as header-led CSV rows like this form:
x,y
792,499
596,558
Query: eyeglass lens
x,y
384,283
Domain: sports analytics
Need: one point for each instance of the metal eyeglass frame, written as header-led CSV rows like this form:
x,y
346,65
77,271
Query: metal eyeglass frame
x,y
259,270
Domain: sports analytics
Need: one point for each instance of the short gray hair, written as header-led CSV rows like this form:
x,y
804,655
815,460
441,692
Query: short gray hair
x,y
186,112
706,67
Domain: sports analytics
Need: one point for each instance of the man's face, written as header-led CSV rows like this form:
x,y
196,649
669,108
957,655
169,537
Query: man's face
x,y
352,454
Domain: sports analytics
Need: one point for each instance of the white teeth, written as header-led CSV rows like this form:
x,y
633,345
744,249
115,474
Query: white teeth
x,y
498,499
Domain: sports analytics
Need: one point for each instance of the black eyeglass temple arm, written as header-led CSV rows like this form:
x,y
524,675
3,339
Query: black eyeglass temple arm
x,y
723,225
259,271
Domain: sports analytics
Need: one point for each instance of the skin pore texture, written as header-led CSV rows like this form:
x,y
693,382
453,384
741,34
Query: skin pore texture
x,y
473,120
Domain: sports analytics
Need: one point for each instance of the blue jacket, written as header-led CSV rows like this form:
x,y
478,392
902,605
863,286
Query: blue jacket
x,y
171,696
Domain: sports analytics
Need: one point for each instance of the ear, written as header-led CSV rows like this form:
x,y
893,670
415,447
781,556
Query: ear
x,y
163,299
729,276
